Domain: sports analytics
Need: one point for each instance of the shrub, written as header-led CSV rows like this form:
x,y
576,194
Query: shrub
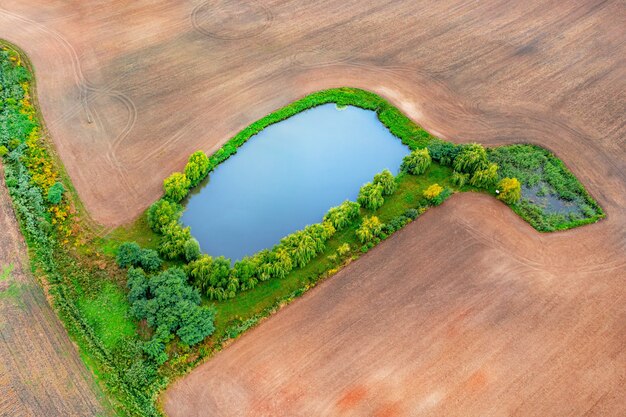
x,y
176,186
3,151
416,162
168,304
173,241
192,250
55,193
510,190
343,249
342,215
459,179
370,229
245,271
433,192
411,213
441,197
128,254
197,168
162,213
131,254
485,177
386,180
444,152
471,158
371,196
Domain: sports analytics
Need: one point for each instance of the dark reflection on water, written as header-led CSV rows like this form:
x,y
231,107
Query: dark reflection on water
x,y
288,176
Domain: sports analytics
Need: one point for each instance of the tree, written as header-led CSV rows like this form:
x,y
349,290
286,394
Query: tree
x,y
128,254
197,168
162,213
342,215
369,230
55,193
459,179
386,180
444,152
510,190
199,272
169,304
485,177
371,196
176,186
433,192
471,158
192,250
173,241
149,260
416,162
245,271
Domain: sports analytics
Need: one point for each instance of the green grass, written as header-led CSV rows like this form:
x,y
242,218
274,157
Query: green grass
x,y
106,311
137,231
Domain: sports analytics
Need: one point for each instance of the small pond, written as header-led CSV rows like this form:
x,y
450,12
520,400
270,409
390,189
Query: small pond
x,y
288,176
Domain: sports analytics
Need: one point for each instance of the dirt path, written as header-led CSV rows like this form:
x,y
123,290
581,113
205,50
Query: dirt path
x,y
41,373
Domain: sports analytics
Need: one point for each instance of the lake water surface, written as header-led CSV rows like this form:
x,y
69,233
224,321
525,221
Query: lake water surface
x,y
288,176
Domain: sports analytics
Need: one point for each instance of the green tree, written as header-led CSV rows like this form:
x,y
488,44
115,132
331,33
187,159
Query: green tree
x,y
416,162
192,250
245,271
370,228
371,196
459,179
342,215
510,190
173,241
472,157
485,177
162,213
55,193
387,181
176,186
128,254
169,305
197,168
199,271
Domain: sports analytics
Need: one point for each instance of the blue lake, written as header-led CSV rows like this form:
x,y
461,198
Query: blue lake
x,y
288,176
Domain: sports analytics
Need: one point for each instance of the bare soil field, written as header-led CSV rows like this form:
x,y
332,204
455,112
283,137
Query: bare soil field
x,y
41,373
467,311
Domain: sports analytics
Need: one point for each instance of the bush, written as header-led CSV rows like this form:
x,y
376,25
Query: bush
x,y
416,162
411,213
176,186
433,192
192,250
471,158
343,249
485,177
441,197
55,193
459,179
197,168
245,271
3,151
342,215
169,305
510,190
173,241
369,230
162,213
371,196
386,180
131,254
444,152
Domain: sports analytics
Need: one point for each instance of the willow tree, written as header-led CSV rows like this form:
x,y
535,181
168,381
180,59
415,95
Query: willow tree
x,y
162,213
416,162
197,167
472,157
371,196
387,181
370,228
176,186
485,177
342,215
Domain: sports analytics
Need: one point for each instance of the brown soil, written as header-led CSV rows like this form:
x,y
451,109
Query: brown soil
x,y
468,311
41,373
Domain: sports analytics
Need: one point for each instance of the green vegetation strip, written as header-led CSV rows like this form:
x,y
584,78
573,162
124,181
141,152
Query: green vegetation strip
x,y
136,341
